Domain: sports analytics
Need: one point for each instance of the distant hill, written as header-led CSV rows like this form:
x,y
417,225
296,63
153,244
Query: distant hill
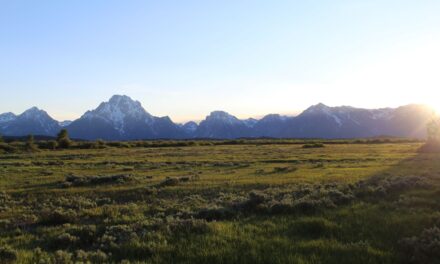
x,y
122,118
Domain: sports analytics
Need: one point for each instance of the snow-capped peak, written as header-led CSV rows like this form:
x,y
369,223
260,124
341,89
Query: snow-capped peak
x,y
250,122
222,116
274,117
384,114
118,109
190,126
34,113
32,110
322,109
32,121
318,108
6,117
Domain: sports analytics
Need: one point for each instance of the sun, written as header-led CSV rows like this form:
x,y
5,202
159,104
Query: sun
x,y
433,104
435,107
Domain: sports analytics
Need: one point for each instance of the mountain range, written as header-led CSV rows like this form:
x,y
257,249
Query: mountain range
x,y
122,118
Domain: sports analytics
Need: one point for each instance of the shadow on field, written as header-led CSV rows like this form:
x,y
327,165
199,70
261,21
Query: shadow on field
x,y
397,213
380,219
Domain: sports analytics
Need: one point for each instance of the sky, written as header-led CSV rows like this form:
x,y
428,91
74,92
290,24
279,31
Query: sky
x,y
185,59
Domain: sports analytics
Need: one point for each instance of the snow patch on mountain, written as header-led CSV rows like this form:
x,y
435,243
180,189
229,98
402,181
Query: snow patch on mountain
x,y
118,110
383,114
250,122
222,116
190,127
64,123
40,117
322,109
7,117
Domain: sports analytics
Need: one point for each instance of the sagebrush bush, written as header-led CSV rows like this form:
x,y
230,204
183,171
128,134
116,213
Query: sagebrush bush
x,y
173,181
424,248
255,200
190,226
116,235
62,257
57,217
313,227
313,145
380,185
8,148
169,181
64,241
87,234
284,169
98,256
72,180
7,254
52,144
216,213
40,257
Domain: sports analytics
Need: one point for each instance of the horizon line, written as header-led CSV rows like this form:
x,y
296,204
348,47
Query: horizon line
x,y
292,113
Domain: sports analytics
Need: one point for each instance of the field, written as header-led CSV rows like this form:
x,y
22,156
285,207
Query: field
x,y
247,202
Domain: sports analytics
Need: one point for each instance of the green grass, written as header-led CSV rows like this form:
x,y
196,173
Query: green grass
x,y
229,202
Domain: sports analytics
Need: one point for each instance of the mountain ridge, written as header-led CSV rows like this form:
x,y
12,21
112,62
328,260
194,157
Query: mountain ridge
x,y
122,118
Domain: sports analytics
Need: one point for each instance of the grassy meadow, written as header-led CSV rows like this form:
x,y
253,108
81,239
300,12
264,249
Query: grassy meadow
x,y
249,201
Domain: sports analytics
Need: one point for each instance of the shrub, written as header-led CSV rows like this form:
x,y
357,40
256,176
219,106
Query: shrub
x,y
98,257
424,248
64,240
4,197
172,181
216,213
190,226
255,200
39,256
282,207
81,256
7,254
379,186
8,148
91,256
57,217
98,144
185,179
87,234
338,197
62,257
64,143
72,180
4,223
63,139
30,144
169,181
284,169
308,205
433,142
121,233
313,145
313,227
52,144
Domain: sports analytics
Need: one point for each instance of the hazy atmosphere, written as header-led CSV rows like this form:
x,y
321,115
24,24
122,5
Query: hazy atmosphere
x,y
185,59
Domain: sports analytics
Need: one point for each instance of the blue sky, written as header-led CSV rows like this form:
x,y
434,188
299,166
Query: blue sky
x,y
187,58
